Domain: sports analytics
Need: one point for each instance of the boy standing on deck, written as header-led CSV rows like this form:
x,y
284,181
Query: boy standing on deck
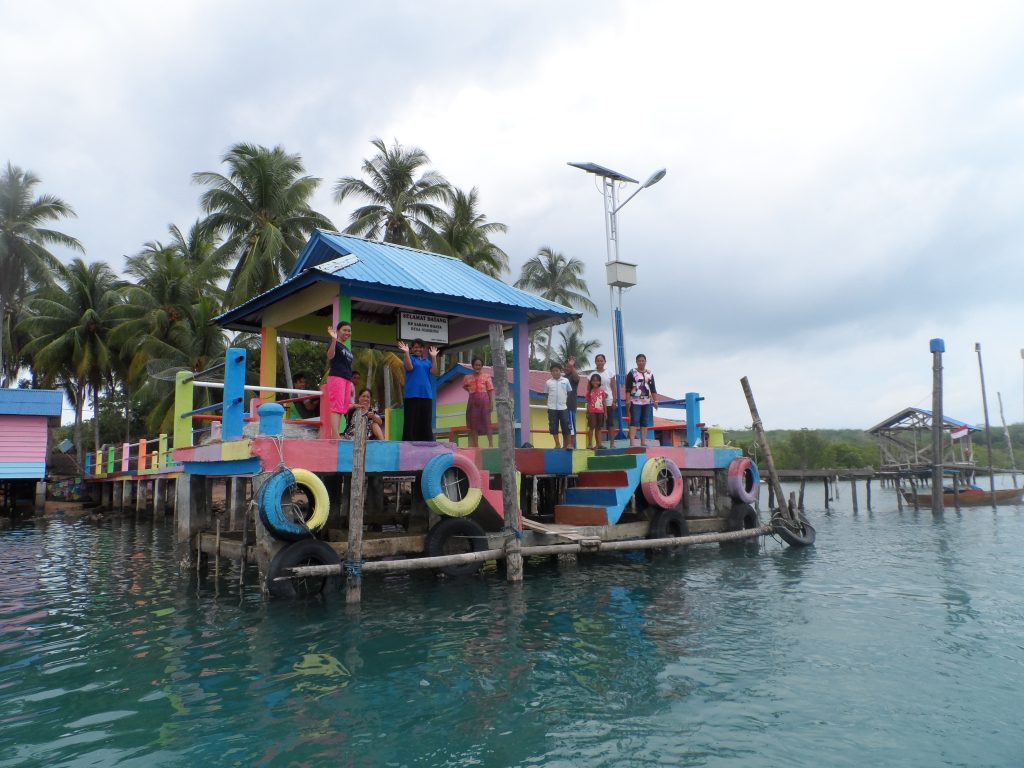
x,y
558,392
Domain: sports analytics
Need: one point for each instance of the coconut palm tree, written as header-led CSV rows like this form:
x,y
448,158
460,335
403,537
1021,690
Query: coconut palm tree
x,y
555,278
401,206
464,232
383,373
193,344
169,281
25,261
69,325
574,345
261,207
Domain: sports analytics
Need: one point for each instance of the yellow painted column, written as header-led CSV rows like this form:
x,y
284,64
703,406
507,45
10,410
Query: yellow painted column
x,y
268,363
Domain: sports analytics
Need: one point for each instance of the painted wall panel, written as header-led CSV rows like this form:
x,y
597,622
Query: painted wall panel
x,y
22,438
14,470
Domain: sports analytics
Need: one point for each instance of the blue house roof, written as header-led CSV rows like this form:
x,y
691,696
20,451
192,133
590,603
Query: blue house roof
x,y
383,273
31,402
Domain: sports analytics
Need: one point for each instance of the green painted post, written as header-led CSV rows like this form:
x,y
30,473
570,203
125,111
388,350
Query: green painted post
x,y
183,404
162,461
110,460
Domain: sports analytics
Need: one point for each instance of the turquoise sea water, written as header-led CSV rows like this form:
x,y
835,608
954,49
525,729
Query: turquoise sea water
x,y
897,641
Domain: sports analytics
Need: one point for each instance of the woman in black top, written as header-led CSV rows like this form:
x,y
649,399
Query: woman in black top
x,y
339,378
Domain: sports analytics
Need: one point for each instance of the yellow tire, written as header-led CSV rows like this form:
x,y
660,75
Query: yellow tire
x,y
318,492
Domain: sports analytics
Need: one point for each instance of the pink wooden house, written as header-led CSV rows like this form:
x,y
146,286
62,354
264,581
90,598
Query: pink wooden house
x,y
25,416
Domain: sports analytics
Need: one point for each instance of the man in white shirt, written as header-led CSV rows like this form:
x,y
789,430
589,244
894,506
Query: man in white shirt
x,y
559,392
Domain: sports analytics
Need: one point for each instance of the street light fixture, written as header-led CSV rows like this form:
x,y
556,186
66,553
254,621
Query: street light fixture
x,y
620,274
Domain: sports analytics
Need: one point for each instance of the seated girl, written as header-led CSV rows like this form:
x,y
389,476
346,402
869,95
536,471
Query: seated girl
x,y
374,423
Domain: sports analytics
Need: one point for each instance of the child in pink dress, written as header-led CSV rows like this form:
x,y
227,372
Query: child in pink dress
x,y
595,411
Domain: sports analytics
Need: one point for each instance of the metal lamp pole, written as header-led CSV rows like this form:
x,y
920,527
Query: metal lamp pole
x,y
620,274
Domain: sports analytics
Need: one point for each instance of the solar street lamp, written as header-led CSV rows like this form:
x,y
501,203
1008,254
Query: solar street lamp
x,y
620,274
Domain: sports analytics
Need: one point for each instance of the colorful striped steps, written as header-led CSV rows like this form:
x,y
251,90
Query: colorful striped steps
x,y
603,490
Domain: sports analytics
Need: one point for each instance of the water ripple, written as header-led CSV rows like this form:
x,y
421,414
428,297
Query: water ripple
x,y
896,640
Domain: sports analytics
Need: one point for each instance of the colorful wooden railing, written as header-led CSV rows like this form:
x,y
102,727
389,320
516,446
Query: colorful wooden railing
x,y
146,455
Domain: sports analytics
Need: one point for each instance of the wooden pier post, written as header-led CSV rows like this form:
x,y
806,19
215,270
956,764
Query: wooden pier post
x,y
506,441
193,513
988,429
118,494
937,346
803,484
867,489
827,492
762,440
354,556
158,497
853,492
1009,442
898,483
140,496
236,503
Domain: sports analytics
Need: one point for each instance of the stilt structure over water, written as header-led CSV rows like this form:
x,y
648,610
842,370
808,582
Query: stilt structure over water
x,y
432,503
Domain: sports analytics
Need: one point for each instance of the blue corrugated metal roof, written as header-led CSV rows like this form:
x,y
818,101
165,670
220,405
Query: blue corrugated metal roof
x,y
355,262
401,267
31,402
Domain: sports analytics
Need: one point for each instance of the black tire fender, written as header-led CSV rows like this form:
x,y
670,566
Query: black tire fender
x,y
668,524
742,517
802,537
306,552
465,535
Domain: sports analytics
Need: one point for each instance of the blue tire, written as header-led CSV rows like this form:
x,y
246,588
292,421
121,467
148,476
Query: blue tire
x,y
271,513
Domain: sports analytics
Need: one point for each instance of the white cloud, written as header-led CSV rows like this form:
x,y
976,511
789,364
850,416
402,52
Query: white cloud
x,y
844,181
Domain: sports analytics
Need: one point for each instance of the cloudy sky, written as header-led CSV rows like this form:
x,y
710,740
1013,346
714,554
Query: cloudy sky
x,y
845,181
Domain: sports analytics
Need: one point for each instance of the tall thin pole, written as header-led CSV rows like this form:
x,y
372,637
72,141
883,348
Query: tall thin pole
x,y
354,556
762,440
937,346
611,208
988,429
506,442
3,322
1009,442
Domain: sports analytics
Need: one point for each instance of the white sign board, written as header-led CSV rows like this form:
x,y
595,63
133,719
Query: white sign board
x,y
431,328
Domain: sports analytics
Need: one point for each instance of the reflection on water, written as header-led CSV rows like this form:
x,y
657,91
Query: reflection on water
x,y
896,640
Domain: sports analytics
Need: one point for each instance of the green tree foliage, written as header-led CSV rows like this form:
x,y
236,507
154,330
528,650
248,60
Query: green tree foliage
x,y
194,343
813,448
402,198
26,264
69,325
169,281
464,232
261,208
552,276
574,345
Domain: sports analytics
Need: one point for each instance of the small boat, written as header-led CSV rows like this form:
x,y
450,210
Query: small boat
x,y
969,497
